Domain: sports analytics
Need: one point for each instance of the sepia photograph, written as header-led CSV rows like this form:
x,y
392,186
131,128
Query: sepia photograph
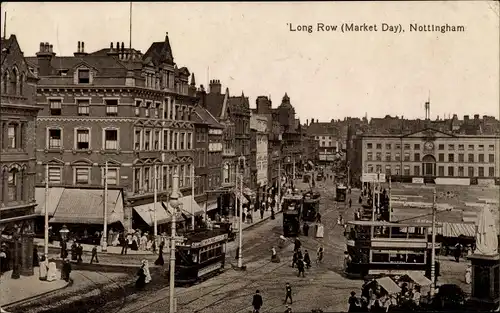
x,y
250,157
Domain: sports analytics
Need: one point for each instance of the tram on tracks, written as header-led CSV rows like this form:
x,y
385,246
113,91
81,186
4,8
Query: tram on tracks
x,y
384,248
310,206
341,192
201,256
292,208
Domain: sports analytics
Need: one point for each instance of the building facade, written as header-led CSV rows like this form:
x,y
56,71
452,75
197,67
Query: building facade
x,y
259,158
239,114
431,153
18,161
118,106
331,142
291,156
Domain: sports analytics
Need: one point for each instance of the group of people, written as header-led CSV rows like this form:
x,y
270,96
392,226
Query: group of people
x,y
136,241
257,300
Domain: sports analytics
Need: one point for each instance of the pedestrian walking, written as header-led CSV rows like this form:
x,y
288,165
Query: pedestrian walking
x,y
305,229
261,213
307,259
319,254
257,302
353,302
140,283
299,255
297,244
159,260
94,255
318,218
350,202
124,242
79,252
468,275
301,268
74,254
288,290
294,259
360,200
458,252
66,270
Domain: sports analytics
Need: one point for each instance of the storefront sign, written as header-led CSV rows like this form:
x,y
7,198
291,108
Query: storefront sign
x,y
417,180
209,241
209,269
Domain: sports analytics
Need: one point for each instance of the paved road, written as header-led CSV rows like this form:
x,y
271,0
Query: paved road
x,y
323,287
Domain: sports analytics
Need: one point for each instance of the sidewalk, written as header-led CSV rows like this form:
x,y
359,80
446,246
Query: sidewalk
x,y
88,248
15,290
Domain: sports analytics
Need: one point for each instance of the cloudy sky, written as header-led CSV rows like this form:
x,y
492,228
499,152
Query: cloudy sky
x,y
250,48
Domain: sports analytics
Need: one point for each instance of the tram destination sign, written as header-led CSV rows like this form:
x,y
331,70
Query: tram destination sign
x,y
373,177
209,241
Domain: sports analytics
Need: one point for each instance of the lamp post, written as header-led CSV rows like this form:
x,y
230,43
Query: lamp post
x,y
174,203
241,161
16,271
46,213
433,252
64,236
105,222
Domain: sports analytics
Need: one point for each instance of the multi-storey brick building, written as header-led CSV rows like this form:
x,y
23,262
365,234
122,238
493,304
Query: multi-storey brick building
x,y
119,106
18,113
292,146
259,152
331,141
239,113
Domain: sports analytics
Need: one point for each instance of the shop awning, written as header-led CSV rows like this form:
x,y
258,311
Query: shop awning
x,y
53,200
389,285
211,206
147,213
239,196
419,278
86,206
454,230
189,201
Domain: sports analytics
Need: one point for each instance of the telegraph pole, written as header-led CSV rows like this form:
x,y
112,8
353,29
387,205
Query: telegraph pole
x,y
192,200
240,247
390,198
433,252
279,184
155,219
46,227
174,199
105,232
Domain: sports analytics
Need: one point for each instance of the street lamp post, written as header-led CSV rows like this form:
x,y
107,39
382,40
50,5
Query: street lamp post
x,y
433,252
105,222
241,161
46,213
155,200
64,236
174,203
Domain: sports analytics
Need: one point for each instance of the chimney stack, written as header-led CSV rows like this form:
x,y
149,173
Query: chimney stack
x,y
215,86
466,118
83,47
79,49
111,46
45,56
307,122
476,117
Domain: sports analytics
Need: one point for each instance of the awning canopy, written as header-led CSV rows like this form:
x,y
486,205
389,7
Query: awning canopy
x,y
454,230
419,278
189,201
147,213
52,201
388,285
239,196
211,205
86,206
249,192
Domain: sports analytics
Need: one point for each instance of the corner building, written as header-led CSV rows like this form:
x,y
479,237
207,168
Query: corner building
x,y
119,106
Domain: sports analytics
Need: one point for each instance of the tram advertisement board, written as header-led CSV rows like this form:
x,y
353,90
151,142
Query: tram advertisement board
x,y
209,241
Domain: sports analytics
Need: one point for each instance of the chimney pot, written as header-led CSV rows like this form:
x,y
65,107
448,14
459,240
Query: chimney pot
x,y
79,47
83,46
50,48
476,116
118,45
41,46
111,46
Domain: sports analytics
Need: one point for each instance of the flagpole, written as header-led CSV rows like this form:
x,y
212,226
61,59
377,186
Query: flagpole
x,y
130,29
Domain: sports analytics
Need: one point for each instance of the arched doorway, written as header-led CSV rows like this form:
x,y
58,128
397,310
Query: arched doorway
x,y
429,165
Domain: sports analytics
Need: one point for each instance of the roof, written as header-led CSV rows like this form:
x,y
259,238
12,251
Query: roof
x,y
204,116
215,102
240,102
100,63
160,52
384,223
11,49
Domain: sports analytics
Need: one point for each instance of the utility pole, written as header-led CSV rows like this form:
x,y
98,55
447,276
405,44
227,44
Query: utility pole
x,y
390,198
373,201
348,174
433,252
192,200
155,219
241,160
46,227
378,191
105,232
174,201
293,169
279,184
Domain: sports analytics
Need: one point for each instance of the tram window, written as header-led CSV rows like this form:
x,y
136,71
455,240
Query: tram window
x,y
397,258
203,254
378,257
416,257
397,232
379,232
416,232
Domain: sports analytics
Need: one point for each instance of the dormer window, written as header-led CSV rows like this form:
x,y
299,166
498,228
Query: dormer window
x,y
83,76
63,72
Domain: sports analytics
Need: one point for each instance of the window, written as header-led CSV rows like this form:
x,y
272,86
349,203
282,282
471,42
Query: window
x,y
55,107
491,158
379,146
137,140
451,147
175,141
441,157
369,156
378,156
491,148
55,174
137,180
147,140
157,140
82,175
165,178
171,140
461,157
83,106
471,171
441,147
481,158
181,139
461,171
471,158
12,184
188,174
111,139
441,170
407,146
181,175
407,156
388,156
481,148
188,140
370,168
55,141
491,171
461,147
387,170
451,171
480,171
398,146
368,146
83,76
12,136
471,147
147,172
416,170
138,104
112,176
416,146
388,146
398,156
451,157
82,139
406,170
165,139
111,107
416,157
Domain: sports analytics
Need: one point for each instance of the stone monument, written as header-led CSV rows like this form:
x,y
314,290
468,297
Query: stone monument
x,y
486,263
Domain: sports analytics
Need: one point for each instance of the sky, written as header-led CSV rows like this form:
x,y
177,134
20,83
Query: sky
x,y
328,75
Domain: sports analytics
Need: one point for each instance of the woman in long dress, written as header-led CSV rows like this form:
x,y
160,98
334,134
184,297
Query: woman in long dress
x,y
159,260
140,283
145,264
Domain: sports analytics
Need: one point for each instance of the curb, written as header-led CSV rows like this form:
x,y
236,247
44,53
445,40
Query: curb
x,y
58,249
18,302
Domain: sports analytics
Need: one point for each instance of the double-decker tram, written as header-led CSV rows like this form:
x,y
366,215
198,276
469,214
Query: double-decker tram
x,y
310,206
200,256
340,194
292,207
379,247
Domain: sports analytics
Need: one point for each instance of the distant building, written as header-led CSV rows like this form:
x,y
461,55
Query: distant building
x,y
331,140
116,105
291,137
259,158
18,113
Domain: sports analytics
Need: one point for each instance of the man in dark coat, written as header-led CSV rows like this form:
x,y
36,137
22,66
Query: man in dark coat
x,y
294,259
297,244
79,252
301,267
66,270
307,259
353,302
306,229
94,255
257,302
288,290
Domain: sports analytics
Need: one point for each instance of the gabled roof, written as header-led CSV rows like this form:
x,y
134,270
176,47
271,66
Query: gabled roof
x,y
96,62
429,132
215,103
240,102
11,49
160,52
204,116
319,129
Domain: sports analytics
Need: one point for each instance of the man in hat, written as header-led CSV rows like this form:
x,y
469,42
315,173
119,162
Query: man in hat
x,y
257,302
288,290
